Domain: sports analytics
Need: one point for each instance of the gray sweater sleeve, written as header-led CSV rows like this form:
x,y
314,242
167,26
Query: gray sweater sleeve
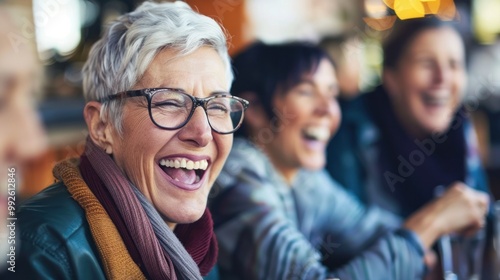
x,y
258,240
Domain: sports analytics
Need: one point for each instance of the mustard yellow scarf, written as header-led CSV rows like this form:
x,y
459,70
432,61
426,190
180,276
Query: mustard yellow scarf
x,y
115,257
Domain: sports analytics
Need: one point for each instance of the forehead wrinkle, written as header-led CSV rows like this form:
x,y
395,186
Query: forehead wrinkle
x,y
149,81
194,86
167,72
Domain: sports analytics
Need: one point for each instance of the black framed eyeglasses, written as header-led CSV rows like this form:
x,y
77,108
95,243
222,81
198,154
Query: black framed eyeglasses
x,y
171,108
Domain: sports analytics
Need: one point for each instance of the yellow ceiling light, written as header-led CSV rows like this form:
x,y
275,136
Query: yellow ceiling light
x,y
380,24
389,3
406,9
431,6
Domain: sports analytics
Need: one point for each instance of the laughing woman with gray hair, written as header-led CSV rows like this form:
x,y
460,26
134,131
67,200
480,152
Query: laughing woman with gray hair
x,y
134,204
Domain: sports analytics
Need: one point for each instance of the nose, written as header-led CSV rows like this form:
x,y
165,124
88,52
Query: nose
x,y
197,130
442,73
325,104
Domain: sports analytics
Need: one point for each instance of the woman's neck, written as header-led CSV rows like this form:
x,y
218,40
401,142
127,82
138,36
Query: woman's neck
x,y
286,171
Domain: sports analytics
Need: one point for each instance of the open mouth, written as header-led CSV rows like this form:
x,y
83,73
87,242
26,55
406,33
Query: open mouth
x,y
316,138
435,101
315,133
185,173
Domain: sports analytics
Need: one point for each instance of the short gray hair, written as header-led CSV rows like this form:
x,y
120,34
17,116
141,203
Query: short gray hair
x,y
119,59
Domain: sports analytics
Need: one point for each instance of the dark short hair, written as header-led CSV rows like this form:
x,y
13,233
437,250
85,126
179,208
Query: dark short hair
x,y
267,70
404,32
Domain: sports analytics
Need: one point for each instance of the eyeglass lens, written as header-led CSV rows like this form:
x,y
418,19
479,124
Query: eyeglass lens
x,y
171,109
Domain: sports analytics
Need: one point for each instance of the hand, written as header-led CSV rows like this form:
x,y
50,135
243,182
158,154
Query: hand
x,y
460,209
432,262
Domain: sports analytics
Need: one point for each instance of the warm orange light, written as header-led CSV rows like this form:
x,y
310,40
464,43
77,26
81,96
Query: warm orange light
x,y
389,3
431,6
447,10
380,24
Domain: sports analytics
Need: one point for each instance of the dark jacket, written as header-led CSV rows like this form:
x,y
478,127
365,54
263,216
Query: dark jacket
x,y
361,155
54,239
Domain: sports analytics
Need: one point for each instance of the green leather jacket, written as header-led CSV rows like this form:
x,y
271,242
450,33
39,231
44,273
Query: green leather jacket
x,y
54,239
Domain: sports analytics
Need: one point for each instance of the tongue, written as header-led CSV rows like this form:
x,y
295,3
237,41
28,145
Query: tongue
x,y
182,175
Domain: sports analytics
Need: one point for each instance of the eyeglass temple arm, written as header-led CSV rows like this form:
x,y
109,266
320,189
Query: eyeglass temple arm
x,y
123,94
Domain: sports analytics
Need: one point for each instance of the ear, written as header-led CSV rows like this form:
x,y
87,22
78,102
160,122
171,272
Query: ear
x,y
255,117
389,79
100,132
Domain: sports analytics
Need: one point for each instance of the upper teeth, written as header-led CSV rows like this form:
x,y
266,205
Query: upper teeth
x,y
435,101
185,163
318,133
441,95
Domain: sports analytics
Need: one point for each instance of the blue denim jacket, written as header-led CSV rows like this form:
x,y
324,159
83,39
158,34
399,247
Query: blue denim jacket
x,y
312,229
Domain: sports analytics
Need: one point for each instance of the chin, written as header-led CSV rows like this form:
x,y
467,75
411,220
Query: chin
x,y
192,218
186,213
437,127
186,218
314,165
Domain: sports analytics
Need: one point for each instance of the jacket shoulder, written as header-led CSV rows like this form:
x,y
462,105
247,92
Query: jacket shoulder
x,y
55,238
52,209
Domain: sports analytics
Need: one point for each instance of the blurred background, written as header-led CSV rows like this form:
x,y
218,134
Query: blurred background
x,y
351,31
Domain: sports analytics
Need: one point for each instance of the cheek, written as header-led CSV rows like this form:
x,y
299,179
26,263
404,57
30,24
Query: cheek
x,y
135,151
223,144
414,102
414,80
291,128
460,83
141,134
3,148
335,116
130,158
296,114
410,94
